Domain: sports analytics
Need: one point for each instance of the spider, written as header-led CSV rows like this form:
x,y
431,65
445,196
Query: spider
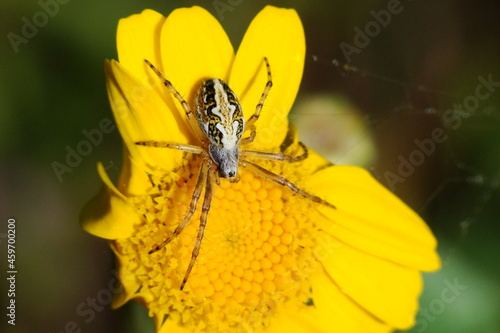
x,y
218,123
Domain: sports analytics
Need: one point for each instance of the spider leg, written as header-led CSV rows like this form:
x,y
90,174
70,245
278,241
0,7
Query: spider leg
x,y
179,146
189,114
250,138
253,118
207,201
192,208
275,156
280,180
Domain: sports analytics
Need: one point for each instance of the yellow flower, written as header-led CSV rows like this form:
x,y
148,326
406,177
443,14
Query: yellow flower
x,y
270,260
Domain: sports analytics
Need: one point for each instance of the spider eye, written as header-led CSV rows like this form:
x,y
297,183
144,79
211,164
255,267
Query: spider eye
x,y
227,174
231,175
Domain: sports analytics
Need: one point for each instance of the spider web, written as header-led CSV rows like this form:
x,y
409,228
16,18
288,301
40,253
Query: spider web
x,y
462,187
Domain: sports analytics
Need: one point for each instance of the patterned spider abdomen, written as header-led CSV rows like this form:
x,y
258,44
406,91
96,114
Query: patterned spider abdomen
x,y
219,114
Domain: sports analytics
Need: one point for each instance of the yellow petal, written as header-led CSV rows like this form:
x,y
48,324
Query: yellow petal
x,y
372,219
275,33
385,289
133,181
138,38
129,284
194,47
109,214
338,311
304,320
142,115
332,311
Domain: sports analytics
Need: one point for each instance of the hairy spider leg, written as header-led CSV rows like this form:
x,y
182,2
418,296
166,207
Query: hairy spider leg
x,y
250,123
189,114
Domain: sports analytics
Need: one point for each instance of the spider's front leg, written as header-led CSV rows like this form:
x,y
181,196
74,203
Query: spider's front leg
x,y
202,177
178,146
280,180
275,156
207,201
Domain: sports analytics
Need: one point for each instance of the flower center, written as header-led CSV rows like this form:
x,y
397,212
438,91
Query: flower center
x,y
255,255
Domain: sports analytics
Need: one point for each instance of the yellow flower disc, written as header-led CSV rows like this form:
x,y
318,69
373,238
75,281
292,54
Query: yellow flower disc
x,y
256,253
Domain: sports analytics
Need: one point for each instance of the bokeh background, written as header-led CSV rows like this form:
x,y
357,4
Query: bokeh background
x,y
399,86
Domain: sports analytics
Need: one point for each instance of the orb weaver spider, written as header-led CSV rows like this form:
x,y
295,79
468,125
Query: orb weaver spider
x,y
219,125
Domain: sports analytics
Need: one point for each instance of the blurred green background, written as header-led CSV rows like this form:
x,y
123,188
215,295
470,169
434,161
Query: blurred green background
x,y
424,61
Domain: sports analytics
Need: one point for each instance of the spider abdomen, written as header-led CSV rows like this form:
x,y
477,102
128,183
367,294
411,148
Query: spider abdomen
x,y
219,114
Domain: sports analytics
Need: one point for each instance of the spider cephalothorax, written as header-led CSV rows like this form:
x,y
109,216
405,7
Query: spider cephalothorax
x,y
219,125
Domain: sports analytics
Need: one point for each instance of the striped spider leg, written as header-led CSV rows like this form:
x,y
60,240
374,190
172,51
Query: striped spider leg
x,y
219,125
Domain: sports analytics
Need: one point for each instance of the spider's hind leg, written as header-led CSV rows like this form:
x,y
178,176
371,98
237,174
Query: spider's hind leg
x,y
250,124
185,106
